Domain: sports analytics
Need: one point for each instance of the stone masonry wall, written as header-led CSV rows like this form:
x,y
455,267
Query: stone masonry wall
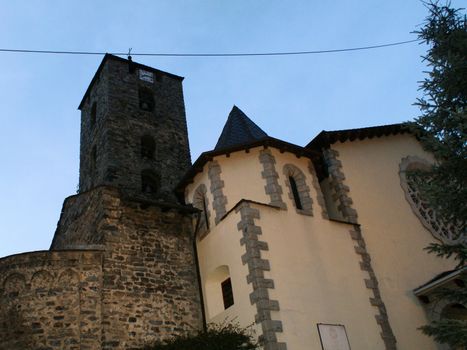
x,y
51,300
150,281
81,219
150,287
121,123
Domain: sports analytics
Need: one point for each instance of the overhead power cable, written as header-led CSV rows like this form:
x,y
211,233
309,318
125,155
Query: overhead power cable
x,y
237,54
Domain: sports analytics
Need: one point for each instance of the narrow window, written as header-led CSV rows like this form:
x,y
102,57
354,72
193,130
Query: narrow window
x,y
93,160
227,294
146,99
296,197
205,213
93,114
149,182
148,147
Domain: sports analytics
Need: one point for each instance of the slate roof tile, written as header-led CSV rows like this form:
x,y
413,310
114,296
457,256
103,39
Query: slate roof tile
x,y
239,129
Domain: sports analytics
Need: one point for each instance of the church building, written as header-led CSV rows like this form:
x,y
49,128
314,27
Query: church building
x,y
314,247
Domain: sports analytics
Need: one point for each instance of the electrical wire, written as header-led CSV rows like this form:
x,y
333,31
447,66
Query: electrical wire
x,y
238,54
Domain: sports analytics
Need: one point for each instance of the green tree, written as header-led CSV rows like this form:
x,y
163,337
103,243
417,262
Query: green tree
x,y
442,129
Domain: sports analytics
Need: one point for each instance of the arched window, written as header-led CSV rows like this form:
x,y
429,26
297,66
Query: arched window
x,y
299,192
454,311
200,202
93,114
149,182
148,147
447,232
296,195
146,99
219,292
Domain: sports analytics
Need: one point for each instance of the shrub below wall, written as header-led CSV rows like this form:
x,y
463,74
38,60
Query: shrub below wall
x,y
216,337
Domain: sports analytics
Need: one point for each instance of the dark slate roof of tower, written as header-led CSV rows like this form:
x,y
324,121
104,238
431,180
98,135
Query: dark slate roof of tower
x,y
239,129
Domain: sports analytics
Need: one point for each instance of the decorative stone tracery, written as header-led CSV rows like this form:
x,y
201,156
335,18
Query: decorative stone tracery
x,y
445,232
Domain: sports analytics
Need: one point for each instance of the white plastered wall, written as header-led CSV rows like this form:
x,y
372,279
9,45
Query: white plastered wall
x,y
241,173
221,247
313,262
394,236
317,279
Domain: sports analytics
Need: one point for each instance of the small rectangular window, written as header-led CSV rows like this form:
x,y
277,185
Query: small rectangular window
x,y
227,293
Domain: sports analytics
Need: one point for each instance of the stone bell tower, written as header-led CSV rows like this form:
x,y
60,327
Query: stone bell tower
x,y
133,130
134,150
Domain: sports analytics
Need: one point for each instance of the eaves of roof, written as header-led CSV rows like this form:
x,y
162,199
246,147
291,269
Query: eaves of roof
x,y
267,141
326,138
439,280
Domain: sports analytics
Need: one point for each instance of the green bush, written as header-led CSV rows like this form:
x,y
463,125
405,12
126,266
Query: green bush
x,y
216,337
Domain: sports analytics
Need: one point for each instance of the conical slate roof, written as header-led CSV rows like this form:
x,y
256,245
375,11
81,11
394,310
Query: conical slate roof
x,y
239,129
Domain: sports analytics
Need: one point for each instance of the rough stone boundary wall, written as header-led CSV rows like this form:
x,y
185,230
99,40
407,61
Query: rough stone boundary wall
x,y
51,300
269,173
372,284
336,178
261,285
219,201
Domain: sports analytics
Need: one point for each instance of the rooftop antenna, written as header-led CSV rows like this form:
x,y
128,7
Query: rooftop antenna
x,y
129,54
131,66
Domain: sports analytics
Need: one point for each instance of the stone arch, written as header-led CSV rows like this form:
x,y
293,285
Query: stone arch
x,y
440,310
445,232
200,201
68,279
299,192
14,283
41,280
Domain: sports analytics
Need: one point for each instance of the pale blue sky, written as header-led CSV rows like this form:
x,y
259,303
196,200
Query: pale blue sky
x,y
291,98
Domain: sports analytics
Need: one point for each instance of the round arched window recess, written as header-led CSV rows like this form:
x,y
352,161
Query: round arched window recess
x,y
445,232
218,291
148,147
149,182
299,192
454,311
200,201
146,99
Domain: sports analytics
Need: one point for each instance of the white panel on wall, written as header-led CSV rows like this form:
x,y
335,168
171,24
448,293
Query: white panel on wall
x,y
333,337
